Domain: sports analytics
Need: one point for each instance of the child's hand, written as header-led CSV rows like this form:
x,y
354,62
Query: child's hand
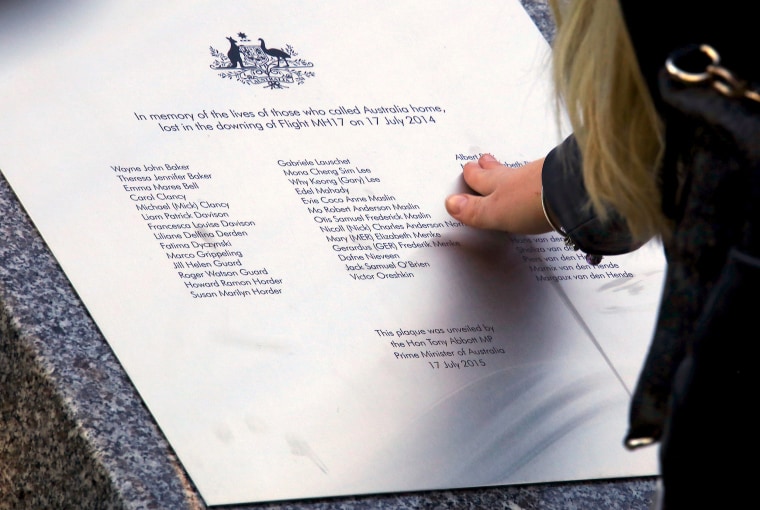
x,y
510,197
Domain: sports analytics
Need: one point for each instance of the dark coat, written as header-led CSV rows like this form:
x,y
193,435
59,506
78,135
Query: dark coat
x,y
697,388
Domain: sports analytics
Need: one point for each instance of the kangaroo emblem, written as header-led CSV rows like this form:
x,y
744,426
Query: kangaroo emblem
x,y
234,53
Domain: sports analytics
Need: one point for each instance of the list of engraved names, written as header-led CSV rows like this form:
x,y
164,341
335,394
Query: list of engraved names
x,y
198,234
371,231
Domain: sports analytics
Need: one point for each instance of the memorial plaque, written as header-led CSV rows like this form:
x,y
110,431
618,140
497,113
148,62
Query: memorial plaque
x,y
248,197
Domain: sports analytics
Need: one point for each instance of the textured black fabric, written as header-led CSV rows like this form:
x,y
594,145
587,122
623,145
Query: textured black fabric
x,y
708,448
698,384
698,387
716,154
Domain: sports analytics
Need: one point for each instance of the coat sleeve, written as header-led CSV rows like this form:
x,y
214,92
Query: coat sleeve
x,y
567,207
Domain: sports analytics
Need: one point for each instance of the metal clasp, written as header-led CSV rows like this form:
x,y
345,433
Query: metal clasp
x,y
718,76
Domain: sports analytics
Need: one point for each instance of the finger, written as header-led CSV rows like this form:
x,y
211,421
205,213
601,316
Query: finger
x,y
484,175
473,210
488,162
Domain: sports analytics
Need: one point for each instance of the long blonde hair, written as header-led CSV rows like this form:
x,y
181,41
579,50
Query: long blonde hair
x,y
598,82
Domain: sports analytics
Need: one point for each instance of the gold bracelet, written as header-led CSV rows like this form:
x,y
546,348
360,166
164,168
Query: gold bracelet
x,y
548,218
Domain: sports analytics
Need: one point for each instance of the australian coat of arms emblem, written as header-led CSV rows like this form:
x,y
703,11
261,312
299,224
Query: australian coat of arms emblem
x,y
254,63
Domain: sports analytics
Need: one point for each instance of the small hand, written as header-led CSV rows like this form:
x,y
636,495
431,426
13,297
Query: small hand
x,y
510,198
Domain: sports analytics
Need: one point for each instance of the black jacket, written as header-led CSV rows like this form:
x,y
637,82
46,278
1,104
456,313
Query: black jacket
x,y
699,383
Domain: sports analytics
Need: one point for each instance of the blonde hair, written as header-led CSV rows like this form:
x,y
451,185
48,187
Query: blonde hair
x,y
598,81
